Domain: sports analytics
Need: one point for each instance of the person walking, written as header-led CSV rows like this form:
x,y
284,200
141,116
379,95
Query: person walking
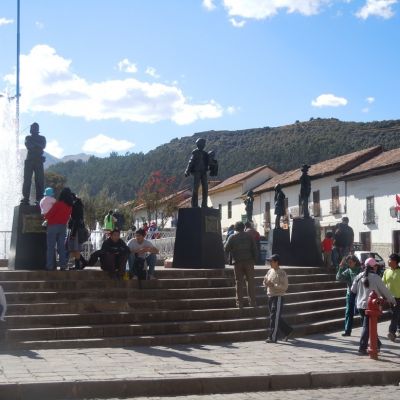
x,y
349,268
363,284
76,226
109,221
343,240
276,283
391,278
327,246
57,218
244,255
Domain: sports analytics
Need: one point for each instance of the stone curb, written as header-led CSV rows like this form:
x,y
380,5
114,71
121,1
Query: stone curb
x,y
193,386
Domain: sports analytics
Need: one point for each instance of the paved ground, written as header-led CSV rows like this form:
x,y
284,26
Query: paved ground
x,y
353,393
318,353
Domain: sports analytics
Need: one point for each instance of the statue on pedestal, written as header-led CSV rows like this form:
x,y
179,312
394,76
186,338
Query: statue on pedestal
x,y
200,162
248,201
35,145
279,202
305,190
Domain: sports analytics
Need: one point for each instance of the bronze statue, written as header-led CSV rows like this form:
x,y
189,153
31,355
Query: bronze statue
x,y
305,190
200,162
279,202
35,145
248,201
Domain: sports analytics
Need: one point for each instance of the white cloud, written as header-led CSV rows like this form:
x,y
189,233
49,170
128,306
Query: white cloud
x,y
49,85
365,110
39,25
126,66
5,21
209,4
152,72
377,8
261,9
232,110
370,100
236,23
54,148
329,100
102,144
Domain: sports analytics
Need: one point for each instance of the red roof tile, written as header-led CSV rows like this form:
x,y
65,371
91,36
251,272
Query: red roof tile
x,y
324,168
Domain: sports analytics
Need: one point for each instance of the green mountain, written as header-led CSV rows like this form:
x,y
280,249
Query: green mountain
x,y
283,148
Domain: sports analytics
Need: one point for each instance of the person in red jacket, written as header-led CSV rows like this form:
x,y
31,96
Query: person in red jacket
x,y
57,219
327,246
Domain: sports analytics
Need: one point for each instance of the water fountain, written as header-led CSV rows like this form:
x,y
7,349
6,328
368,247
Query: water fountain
x,y
10,171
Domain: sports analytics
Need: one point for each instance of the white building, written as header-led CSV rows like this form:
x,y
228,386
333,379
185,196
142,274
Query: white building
x,y
372,198
228,196
328,200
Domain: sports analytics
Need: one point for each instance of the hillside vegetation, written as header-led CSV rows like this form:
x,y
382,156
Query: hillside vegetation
x,y
282,148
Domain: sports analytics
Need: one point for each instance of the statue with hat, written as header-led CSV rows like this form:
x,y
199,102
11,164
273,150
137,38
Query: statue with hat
x,y
305,191
248,202
198,166
35,144
279,203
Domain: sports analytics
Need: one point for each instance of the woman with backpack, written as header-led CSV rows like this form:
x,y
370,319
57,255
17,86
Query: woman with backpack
x,y
363,284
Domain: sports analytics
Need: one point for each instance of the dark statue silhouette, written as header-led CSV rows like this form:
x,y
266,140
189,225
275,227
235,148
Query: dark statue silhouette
x,y
200,162
248,201
35,145
305,190
279,202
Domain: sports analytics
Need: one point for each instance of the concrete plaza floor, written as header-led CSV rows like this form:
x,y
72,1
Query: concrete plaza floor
x,y
315,361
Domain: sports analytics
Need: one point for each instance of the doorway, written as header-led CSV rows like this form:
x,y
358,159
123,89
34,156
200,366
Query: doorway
x,y
365,240
396,242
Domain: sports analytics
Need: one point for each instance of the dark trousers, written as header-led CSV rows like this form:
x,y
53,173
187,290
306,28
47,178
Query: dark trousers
x,y
350,311
276,322
110,262
394,323
33,166
365,331
200,177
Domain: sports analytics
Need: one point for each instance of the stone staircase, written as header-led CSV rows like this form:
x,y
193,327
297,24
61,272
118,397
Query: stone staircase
x,y
73,309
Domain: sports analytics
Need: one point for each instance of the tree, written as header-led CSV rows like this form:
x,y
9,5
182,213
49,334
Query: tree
x,y
55,181
154,194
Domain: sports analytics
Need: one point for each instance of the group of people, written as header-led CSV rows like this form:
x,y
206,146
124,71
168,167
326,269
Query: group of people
x,y
337,244
115,253
361,280
242,247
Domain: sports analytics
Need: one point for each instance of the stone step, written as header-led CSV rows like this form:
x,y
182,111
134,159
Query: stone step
x,y
98,305
57,285
149,293
157,328
171,339
154,315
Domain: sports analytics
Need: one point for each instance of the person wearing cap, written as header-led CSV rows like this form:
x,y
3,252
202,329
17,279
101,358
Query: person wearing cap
x,y
35,144
276,283
48,200
363,284
343,241
113,255
243,249
349,268
391,278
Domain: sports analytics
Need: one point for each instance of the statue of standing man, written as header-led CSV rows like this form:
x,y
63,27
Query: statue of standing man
x,y
200,162
248,201
35,144
279,203
305,190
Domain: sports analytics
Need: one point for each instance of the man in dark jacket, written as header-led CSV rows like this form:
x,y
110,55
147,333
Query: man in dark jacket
x,y
35,145
113,255
243,248
343,241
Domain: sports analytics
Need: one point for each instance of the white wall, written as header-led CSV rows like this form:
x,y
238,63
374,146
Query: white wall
x,y
384,189
324,185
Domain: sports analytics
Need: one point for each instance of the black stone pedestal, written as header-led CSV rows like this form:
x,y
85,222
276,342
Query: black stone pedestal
x,y
198,242
28,239
305,248
281,245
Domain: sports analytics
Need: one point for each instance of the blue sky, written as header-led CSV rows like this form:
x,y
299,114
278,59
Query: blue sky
x,y
129,75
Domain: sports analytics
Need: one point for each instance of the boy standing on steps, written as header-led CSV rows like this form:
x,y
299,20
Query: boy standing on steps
x,y
276,283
